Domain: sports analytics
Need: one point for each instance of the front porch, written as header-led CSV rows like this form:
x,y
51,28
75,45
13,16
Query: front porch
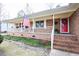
x,y
41,27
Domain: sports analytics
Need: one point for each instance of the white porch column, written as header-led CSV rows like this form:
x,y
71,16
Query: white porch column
x,y
45,23
21,27
52,34
7,27
33,27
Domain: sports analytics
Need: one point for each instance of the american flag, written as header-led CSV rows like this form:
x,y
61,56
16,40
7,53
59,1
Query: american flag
x,y
26,21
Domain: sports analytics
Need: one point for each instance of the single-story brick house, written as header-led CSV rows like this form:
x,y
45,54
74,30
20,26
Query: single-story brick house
x,y
66,20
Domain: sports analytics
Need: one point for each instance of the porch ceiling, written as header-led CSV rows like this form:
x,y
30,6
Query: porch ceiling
x,y
63,15
16,20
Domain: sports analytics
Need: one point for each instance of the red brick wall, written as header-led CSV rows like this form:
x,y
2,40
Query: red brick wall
x,y
48,28
30,35
49,22
74,23
43,30
65,37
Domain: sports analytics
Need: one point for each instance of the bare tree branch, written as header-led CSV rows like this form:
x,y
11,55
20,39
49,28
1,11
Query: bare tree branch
x,y
3,14
25,11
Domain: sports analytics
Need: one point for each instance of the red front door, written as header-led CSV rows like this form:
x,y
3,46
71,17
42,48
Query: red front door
x,y
64,25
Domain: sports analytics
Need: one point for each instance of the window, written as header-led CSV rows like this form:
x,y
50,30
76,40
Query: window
x,y
64,25
17,25
39,24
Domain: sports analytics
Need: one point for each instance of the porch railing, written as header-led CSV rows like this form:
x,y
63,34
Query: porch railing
x,y
23,30
31,30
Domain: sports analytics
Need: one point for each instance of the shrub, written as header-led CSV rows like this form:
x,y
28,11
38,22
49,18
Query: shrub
x,y
1,39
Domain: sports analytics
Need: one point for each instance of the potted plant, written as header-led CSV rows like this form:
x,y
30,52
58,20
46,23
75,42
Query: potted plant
x,y
1,39
56,31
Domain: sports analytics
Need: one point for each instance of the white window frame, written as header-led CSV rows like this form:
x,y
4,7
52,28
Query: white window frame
x,y
61,25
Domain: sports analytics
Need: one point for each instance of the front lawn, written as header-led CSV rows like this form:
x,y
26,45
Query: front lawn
x,y
29,41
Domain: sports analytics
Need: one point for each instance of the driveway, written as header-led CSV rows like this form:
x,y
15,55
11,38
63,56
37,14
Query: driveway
x,y
55,52
12,48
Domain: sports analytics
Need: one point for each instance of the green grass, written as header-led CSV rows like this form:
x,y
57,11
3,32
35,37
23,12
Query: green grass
x,y
29,41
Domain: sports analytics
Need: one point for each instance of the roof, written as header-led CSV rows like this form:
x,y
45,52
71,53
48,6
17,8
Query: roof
x,y
71,7
59,10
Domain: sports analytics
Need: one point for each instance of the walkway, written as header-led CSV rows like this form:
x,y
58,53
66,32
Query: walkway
x,y
12,48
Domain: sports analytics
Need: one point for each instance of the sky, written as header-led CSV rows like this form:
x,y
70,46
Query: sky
x,y
12,7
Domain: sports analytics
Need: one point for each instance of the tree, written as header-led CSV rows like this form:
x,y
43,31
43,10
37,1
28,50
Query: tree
x,y
1,37
25,11
21,13
28,9
50,5
0,15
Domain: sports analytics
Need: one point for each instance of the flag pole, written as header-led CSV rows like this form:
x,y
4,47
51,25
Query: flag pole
x,y
52,34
